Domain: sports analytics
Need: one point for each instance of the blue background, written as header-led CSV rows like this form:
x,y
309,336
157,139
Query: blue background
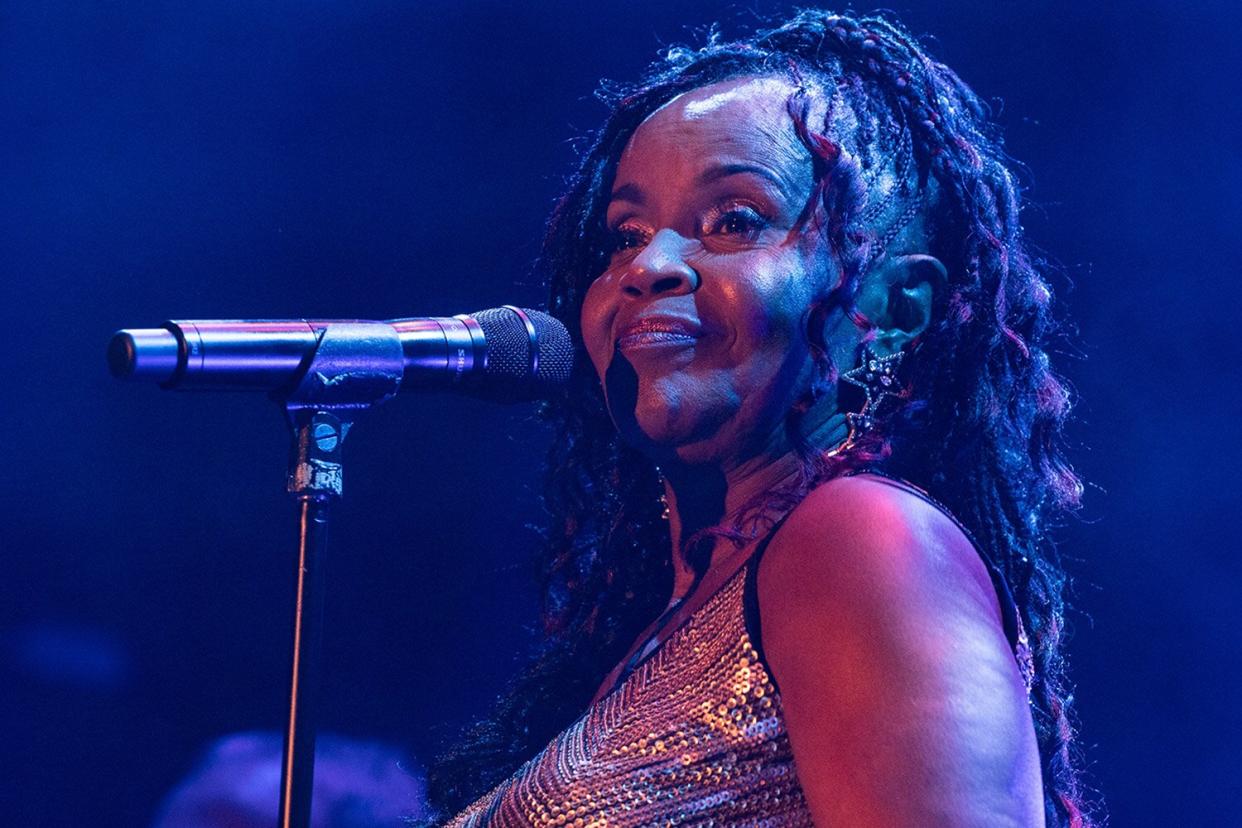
x,y
378,159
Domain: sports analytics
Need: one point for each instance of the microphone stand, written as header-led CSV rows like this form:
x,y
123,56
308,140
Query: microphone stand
x,y
354,367
339,369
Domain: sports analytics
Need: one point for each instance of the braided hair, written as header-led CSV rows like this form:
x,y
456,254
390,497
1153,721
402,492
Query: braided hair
x,y
979,424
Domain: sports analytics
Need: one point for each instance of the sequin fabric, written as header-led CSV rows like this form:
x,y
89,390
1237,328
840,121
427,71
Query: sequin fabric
x,y
694,736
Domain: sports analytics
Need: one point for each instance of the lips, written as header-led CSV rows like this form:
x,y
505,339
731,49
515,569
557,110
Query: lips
x,y
658,331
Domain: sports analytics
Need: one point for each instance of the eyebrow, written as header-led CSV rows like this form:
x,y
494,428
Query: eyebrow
x,y
629,192
738,168
633,194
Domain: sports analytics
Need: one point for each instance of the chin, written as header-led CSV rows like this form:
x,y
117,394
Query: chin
x,y
663,422
657,428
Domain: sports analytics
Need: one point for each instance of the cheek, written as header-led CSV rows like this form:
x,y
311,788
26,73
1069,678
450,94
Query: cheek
x,y
771,309
596,320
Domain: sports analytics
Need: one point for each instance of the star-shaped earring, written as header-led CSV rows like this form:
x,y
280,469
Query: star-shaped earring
x,y
877,377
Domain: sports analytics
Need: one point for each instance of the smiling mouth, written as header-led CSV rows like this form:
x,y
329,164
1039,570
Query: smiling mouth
x,y
655,333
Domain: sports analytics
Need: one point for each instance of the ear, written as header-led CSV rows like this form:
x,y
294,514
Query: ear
x,y
903,288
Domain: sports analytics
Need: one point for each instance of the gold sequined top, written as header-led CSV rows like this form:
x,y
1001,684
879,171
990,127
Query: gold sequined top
x,y
694,735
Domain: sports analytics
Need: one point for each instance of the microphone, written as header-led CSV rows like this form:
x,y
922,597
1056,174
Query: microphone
x,y
506,354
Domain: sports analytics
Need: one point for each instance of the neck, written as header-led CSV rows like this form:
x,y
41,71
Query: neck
x,y
714,495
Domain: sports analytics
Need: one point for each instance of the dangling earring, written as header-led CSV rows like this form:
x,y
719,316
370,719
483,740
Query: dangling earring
x,y
877,377
663,495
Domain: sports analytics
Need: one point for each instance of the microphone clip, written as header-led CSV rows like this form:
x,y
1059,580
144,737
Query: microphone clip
x,y
353,367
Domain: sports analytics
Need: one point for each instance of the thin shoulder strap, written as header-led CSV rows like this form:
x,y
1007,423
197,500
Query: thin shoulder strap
x,y
698,597
750,599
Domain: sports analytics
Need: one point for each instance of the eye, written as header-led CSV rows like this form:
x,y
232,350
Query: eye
x,y
626,238
735,221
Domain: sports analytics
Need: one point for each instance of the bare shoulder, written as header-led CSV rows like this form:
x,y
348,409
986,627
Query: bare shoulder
x,y
901,695
871,538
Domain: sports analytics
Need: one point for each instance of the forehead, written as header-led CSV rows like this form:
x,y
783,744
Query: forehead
x,y
742,119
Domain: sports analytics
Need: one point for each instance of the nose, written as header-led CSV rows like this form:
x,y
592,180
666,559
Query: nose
x,y
660,268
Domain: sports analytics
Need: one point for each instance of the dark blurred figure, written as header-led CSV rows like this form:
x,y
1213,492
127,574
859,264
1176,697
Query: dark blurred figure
x,y
237,783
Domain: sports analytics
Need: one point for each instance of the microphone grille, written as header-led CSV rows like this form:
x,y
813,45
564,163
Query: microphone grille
x,y
508,343
509,347
556,349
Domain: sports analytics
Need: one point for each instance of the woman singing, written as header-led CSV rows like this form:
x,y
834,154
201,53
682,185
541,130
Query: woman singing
x,y
797,571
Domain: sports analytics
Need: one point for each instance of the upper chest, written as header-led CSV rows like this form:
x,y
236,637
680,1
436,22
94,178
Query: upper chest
x,y
695,729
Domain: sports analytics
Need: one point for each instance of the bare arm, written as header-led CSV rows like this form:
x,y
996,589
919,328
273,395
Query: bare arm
x,y
902,698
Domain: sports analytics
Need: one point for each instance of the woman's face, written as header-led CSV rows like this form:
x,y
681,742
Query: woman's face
x,y
697,327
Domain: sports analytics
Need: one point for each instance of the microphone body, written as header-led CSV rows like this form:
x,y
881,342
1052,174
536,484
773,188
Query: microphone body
x,y
505,353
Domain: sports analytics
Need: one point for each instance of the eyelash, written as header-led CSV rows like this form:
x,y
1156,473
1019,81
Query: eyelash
x,y
746,219
752,220
624,237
